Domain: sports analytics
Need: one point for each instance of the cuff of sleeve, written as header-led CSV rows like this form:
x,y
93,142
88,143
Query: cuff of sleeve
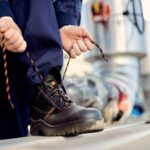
x,y
67,19
5,10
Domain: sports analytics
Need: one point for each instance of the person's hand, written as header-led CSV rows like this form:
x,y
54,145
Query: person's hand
x,y
75,40
12,35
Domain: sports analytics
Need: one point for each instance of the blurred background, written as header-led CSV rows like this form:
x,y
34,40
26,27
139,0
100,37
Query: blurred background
x,y
120,88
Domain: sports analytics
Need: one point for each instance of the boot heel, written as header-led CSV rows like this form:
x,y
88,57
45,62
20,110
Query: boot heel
x,y
36,129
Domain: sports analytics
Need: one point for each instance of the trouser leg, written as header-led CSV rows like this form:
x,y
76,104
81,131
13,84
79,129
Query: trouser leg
x,y
43,39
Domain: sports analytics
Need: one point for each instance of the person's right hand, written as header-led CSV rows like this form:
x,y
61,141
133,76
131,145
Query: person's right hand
x,y
14,40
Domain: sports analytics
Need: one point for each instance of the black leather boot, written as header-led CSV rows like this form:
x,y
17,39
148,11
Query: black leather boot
x,y
54,114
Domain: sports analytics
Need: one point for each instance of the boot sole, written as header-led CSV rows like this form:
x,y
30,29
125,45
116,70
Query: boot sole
x,y
41,128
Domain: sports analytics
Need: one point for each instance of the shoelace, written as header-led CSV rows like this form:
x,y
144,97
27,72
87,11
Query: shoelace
x,y
60,93
6,73
100,50
56,91
62,96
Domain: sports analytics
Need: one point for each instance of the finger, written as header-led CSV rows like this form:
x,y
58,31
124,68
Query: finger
x,y
87,34
23,47
11,41
12,24
76,49
6,23
19,46
72,53
10,34
3,27
14,44
88,43
14,39
82,46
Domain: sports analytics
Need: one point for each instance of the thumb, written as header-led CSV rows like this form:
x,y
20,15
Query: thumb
x,y
87,34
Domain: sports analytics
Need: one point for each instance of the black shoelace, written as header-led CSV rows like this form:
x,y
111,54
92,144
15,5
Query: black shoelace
x,y
100,50
41,76
62,96
60,93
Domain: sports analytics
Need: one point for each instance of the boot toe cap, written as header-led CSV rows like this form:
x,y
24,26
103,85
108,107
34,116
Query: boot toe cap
x,y
91,113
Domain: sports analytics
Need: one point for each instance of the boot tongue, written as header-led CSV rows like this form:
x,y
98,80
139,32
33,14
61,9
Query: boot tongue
x,y
53,78
50,80
55,73
59,100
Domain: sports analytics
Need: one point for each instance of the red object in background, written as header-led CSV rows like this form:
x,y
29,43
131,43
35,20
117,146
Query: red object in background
x,y
100,12
123,103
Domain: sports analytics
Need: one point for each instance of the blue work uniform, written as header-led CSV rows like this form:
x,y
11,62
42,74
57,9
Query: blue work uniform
x,y
39,21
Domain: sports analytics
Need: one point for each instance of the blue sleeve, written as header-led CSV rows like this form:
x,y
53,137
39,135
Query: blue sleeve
x,y
5,9
68,12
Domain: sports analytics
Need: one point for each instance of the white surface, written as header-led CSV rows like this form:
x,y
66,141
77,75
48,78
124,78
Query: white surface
x,y
130,136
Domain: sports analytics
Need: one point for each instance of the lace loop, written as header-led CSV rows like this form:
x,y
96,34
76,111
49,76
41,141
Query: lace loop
x,y
62,95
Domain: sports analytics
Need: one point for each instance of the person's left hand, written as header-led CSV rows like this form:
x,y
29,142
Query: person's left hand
x,y
75,40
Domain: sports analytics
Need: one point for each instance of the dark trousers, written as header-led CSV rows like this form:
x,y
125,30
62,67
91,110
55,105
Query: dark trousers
x,y
40,30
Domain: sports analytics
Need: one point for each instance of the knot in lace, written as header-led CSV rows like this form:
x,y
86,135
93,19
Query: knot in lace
x,y
60,92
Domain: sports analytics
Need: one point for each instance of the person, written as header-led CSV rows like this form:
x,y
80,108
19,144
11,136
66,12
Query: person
x,y
42,28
